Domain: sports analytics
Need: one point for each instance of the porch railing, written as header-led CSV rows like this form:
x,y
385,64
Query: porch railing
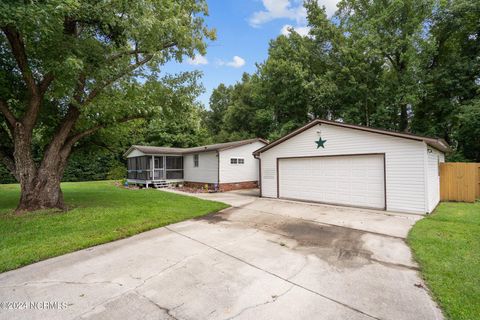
x,y
159,174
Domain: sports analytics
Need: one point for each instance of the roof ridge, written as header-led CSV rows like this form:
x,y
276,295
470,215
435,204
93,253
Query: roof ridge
x,y
208,147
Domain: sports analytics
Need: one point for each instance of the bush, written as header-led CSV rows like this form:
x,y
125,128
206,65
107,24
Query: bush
x,y
117,172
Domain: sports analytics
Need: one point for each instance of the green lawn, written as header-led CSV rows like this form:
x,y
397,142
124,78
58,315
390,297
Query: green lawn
x,y
447,246
101,212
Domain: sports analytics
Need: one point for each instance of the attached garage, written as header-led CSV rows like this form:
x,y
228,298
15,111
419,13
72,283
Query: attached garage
x,y
337,163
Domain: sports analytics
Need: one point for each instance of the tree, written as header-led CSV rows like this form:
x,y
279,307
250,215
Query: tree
x,y
64,64
390,31
180,122
451,69
220,100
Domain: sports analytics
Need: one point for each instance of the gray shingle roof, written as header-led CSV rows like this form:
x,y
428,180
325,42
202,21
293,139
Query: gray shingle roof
x,y
180,151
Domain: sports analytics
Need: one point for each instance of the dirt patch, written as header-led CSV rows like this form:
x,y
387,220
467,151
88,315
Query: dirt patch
x,y
215,217
341,247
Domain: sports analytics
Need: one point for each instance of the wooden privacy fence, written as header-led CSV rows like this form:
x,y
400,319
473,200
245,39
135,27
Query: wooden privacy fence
x,y
459,181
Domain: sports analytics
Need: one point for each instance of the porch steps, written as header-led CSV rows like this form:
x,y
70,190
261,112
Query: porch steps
x,y
160,184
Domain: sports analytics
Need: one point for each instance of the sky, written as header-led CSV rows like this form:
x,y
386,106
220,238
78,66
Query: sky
x,y
244,30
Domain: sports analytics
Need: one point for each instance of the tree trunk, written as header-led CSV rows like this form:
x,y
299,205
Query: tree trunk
x,y
46,195
40,187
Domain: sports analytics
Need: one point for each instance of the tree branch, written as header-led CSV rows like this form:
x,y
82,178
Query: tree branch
x,y
18,50
137,51
11,120
108,82
45,83
8,133
75,138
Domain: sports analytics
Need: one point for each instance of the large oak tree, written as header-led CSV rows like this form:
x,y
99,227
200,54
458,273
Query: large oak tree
x,y
63,66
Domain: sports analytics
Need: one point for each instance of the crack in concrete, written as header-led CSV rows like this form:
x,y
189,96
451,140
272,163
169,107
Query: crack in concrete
x,y
143,282
28,283
274,299
300,270
279,277
164,309
395,265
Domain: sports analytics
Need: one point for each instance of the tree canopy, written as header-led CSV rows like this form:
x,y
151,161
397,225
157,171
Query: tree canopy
x,y
72,68
408,65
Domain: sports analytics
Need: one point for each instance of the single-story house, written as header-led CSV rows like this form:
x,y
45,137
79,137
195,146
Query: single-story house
x,y
338,163
222,166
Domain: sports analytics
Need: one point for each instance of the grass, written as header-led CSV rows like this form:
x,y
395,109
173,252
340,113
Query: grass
x,y
101,212
447,247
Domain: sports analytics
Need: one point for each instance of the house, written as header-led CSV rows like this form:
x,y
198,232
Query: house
x,y
223,166
338,163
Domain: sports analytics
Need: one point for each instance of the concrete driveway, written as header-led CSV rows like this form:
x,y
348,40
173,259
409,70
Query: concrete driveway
x,y
261,259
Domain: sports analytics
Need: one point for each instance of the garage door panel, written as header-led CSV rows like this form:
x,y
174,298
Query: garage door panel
x,y
348,180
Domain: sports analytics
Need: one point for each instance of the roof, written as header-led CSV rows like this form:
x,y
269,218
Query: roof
x,y
151,150
436,143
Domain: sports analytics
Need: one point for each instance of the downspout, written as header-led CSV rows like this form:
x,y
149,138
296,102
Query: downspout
x,y
425,179
256,156
218,170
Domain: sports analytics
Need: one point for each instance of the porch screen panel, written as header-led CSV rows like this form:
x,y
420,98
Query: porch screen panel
x,y
175,163
131,168
139,168
174,167
158,169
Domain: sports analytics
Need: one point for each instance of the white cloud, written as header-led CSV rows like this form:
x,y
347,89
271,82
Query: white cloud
x,y
330,6
237,62
197,60
288,9
303,31
278,9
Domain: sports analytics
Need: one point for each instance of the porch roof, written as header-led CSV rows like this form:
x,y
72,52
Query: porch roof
x,y
150,150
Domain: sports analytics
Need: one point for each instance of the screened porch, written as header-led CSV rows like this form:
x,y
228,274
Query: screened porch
x,y
147,169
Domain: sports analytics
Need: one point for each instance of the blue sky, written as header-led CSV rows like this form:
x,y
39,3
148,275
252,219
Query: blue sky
x,y
244,29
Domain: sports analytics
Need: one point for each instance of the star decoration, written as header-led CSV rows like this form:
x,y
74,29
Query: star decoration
x,y
320,143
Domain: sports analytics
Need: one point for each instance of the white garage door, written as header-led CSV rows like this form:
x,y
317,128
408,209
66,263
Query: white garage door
x,y
348,180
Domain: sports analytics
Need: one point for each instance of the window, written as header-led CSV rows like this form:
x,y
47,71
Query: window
x,y
237,160
195,160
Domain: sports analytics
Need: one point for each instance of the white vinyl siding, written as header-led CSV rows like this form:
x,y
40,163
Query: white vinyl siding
x,y
434,158
207,170
248,171
346,180
404,159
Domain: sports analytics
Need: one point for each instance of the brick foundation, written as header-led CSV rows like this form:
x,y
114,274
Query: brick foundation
x,y
223,186
238,185
199,185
